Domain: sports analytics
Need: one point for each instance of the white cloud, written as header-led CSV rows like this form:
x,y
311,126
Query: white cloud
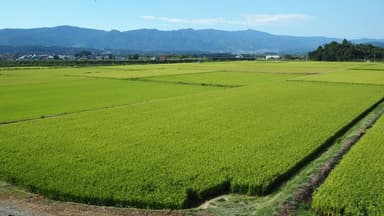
x,y
148,17
209,21
247,20
264,19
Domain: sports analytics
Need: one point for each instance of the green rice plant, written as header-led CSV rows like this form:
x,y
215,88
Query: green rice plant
x,y
355,186
133,136
370,77
33,94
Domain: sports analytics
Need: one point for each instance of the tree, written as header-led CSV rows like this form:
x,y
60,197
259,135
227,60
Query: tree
x,y
83,54
135,56
346,51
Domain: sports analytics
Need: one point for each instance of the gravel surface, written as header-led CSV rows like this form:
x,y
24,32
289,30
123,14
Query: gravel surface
x,y
7,209
15,201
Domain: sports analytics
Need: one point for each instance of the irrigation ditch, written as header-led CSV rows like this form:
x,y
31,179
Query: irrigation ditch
x,y
334,82
290,197
186,83
289,194
293,196
302,196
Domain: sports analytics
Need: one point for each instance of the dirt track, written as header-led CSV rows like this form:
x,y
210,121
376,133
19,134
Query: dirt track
x,y
10,211
16,202
53,208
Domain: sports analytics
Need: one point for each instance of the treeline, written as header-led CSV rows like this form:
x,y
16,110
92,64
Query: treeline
x,y
66,63
81,63
347,51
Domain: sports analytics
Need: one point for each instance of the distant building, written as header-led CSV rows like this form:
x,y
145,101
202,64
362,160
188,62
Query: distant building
x,y
5,57
66,57
272,57
163,58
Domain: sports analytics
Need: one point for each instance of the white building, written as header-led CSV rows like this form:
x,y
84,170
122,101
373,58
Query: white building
x,y
272,57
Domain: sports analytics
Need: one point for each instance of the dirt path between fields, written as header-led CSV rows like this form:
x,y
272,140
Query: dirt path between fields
x,y
16,202
51,208
9,210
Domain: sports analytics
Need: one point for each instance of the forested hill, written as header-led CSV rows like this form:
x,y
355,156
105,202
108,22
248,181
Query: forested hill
x,y
152,40
347,51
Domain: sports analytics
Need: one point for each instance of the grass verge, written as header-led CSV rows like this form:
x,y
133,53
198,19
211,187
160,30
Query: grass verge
x,y
294,196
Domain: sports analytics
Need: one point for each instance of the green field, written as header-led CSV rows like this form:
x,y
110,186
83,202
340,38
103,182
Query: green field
x,y
35,93
355,187
170,136
370,74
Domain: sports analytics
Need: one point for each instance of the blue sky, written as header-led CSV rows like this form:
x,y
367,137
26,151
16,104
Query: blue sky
x,y
333,18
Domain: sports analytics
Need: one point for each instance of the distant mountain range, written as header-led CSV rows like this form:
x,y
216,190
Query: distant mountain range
x,y
151,40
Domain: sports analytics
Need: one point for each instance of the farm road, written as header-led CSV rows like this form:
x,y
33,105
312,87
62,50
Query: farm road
x,y
9,210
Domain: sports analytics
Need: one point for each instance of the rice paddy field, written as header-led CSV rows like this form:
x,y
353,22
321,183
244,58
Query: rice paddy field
x,y
172,136
355,187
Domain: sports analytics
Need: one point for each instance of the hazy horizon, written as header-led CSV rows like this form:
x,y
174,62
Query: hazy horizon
x,y
342,19
195,29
